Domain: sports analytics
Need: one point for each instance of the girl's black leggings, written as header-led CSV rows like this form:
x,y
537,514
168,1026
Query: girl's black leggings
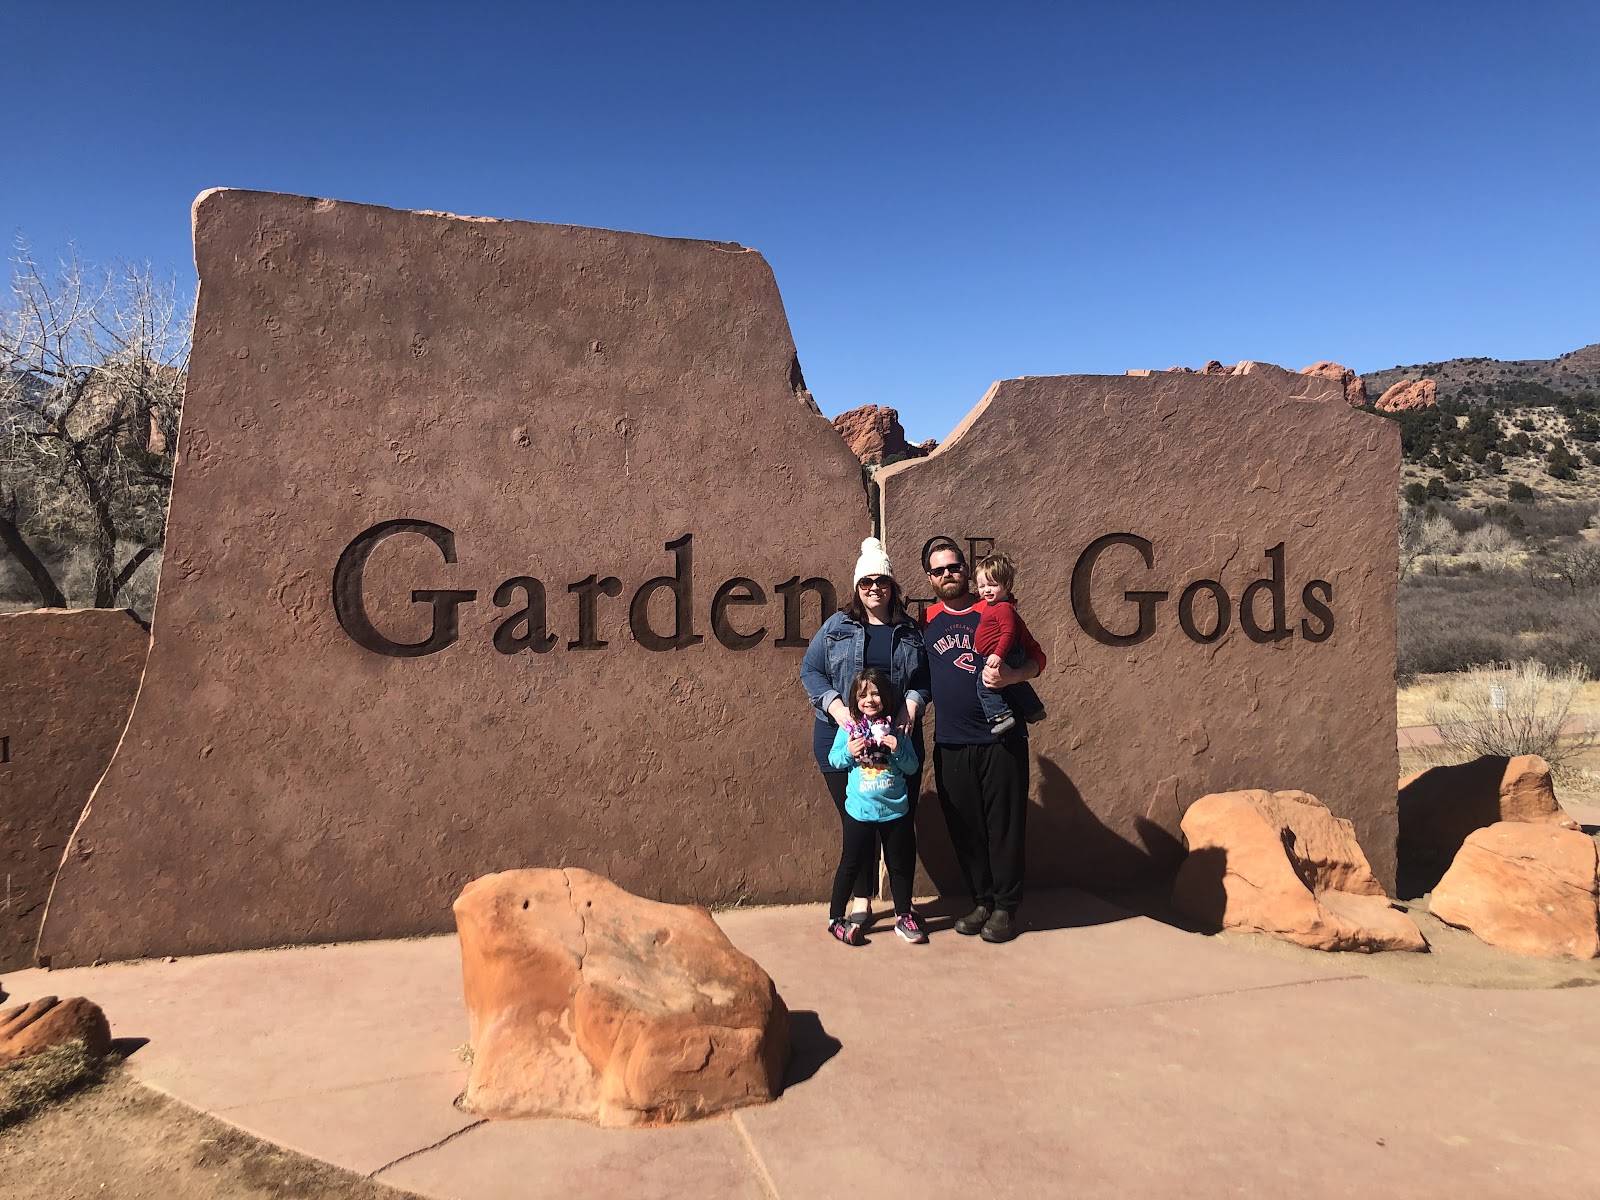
x,y
861,842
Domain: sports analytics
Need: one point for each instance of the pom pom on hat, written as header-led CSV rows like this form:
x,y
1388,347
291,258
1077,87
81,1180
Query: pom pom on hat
x,y
873,561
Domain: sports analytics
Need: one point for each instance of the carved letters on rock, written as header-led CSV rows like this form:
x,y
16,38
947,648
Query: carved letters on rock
x,y
612,512
1281,863
1206,561
585,1001
67,681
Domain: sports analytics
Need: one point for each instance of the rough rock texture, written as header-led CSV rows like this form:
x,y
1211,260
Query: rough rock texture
x,y
1355,391
1526,888
1406,395
586,1001
1281,863
29,1029
1439,807
1213,472
67,682
565,402
873,433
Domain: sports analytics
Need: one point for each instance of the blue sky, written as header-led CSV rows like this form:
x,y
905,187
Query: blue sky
x,y
949,193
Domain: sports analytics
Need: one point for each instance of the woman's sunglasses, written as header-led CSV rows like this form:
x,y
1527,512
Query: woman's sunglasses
x,y
879,583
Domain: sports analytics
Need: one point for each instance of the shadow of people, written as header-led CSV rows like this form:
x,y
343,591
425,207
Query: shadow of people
x,y
1069,847
810,1045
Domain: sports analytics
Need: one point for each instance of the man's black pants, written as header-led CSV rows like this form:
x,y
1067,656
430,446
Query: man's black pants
x,y
983,791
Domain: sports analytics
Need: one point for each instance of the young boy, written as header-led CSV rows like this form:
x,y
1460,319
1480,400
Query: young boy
x,y
1002,635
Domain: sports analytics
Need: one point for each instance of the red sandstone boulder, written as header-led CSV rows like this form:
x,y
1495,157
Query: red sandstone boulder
x,y
587,1001
1281,863
29,1029
1355,390
1530,889
1409,394
1439,807
874,433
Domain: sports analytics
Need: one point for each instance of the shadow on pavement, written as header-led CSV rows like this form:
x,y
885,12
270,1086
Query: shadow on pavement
x,y
810,1045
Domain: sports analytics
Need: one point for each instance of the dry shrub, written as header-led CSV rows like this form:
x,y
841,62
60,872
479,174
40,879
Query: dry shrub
x,y
1488,539
30,1083
1536,702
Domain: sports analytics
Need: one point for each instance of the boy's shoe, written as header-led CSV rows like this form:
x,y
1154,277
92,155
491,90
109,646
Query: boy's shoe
x,y
999,927
1034,717
1004,723
974,921
847,933
909,926
864,917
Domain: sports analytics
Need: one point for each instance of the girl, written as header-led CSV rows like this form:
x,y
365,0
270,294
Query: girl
x,y
877,805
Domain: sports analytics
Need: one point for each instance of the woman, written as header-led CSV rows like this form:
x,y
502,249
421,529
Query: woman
x,y
872,630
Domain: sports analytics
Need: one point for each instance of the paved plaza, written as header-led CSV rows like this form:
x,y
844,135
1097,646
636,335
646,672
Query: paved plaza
x,y
1102,1054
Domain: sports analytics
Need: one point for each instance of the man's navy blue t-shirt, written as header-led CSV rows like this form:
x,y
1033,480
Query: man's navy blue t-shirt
x,y
953,670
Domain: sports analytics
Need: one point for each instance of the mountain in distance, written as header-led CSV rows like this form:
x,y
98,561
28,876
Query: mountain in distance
x,y
1574,372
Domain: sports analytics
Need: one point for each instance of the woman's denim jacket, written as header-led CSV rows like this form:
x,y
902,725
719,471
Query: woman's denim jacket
x,y
834,659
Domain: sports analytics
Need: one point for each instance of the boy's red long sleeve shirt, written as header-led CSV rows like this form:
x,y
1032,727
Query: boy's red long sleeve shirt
x,y
1002,630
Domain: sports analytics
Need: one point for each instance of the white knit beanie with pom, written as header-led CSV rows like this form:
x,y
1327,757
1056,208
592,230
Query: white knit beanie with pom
x,y
873,561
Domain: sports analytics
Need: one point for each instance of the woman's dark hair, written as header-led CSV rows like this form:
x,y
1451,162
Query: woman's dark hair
x,y
857,611
886,691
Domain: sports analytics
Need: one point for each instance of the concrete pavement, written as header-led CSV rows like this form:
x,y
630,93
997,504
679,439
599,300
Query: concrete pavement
x,y
1101,1054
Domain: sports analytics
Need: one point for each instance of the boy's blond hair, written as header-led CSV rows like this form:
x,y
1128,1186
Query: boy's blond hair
x,y
999,568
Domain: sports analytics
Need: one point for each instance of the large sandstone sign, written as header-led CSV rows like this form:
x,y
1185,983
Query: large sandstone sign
x,y
67,681
491,545
1209,563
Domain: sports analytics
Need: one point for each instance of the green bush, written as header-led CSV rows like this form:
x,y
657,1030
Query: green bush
x,y
1518,490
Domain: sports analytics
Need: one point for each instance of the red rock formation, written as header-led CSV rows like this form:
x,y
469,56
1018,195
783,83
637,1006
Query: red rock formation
x,y
30,1029
586,1001
1441,806
1407,395
1355,391
1280,863
1530,889
874,433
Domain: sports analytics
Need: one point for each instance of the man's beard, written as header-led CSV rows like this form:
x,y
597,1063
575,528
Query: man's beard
x,y
951,587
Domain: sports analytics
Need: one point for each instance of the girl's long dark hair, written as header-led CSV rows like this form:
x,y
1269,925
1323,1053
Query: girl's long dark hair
x,y
887,692
898,615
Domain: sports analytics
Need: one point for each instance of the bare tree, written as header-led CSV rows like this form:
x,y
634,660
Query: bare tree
x,y
92,364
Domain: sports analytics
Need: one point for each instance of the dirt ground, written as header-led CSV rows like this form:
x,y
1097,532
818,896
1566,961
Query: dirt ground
x,y
123,1141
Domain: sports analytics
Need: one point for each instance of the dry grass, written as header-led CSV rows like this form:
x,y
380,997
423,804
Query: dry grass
x,y
1411,703
28,1085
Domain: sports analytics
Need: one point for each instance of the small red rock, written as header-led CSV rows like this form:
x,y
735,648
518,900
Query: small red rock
x,y
1280,863
28,1029
586,1001
874,433
1531,889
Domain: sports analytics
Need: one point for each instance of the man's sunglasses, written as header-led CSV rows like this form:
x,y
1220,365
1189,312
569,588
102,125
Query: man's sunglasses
x,y
948,569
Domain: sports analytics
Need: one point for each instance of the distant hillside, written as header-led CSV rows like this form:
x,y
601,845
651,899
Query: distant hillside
x,y
1572,373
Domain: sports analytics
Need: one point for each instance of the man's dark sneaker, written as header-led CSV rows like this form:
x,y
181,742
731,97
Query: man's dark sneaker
x,y
1034,717
999,927
1004,723
974,921
847,933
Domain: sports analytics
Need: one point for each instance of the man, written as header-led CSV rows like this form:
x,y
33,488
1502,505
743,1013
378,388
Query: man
x,y
982,778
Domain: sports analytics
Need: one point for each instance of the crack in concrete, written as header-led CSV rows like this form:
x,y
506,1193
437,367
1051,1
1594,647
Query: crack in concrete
x,y
767,1182
448,1138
